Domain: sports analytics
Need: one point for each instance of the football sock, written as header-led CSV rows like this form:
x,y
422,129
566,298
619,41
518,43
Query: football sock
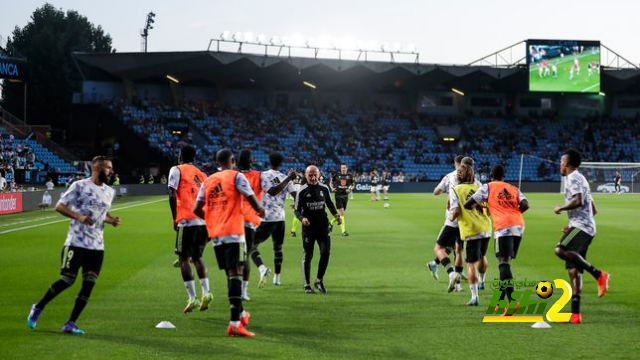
x,y
294,225
481,276
459,269
436,261
505,274
474,290
235,323
245,286
446,263
277,260
204,283
88,283
191,289
235,296
255,256
343,226
262,268
575,304
56,288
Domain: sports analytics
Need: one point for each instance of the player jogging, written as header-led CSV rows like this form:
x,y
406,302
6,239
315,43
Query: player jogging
x,y
87,202
251,220
580,232
276,186
374,181
475,228
506,205
342,185
219,203
385,187
309,208
191,232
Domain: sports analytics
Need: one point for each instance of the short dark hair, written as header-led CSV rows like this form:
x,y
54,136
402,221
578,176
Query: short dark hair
x,y
458,159
99,159
188,153
574,157
275,160
244,159
497,172
224,156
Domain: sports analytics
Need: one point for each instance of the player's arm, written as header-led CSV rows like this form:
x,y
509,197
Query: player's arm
x,y
454,211
174,180
198,208
109,219
66,211
331,185
576,202
593,207
331,205
298,209
278,189
352,185
440,188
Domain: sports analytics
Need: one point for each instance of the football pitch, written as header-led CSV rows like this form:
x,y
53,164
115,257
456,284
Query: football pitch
x,y
563,83
382,301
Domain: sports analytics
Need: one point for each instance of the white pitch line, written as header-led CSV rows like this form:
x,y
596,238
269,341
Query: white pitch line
x,y
590,87
59,221
27,221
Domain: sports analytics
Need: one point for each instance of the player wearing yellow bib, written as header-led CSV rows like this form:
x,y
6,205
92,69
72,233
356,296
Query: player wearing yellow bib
x,y
475,226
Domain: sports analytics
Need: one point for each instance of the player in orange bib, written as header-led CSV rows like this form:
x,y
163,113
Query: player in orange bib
x,y
506,205
191,233
219,203
251,220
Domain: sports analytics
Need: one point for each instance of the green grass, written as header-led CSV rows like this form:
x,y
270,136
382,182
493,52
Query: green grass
x,y
581,83
382,302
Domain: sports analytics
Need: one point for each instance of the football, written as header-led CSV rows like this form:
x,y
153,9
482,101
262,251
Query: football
x,y
544,289
386,205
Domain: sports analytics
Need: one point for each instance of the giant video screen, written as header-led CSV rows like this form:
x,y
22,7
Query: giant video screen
x,y
564,66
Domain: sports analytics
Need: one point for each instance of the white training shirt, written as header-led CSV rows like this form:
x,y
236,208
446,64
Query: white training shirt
x,y
446,184
582,217
173,183
482,196
274,205
87,199
242,185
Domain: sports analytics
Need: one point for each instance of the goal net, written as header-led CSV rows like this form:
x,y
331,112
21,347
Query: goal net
x,y
601,177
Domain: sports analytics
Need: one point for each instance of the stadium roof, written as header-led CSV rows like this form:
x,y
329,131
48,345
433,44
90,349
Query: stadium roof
x,y
234,70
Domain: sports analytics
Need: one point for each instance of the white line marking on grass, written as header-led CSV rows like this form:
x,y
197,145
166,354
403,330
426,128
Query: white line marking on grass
x,y
590,87
27,221
59,221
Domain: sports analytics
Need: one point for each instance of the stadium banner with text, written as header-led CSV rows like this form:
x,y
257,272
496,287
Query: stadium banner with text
x,y
524,308
564,66
12,69
10,203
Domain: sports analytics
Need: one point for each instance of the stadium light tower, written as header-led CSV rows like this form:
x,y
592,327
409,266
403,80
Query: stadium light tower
x,y
144,34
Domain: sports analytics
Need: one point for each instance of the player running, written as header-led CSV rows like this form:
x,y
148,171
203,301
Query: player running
x,y
297,183
580,232
87,202
386,181
276,186
309,208
251,220
342,185
475,229
374,181
506,205
219,203
191,232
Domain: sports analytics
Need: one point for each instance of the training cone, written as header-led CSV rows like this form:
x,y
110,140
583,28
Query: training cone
x,y
165,325
541,325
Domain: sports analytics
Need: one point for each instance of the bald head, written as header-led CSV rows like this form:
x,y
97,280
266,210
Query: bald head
x,y
311,174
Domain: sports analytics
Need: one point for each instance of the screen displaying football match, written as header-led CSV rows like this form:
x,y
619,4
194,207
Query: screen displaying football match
x,y
564,66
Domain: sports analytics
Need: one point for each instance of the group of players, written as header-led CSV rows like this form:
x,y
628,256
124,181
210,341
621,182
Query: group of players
x,y
473,209
544,69
238,209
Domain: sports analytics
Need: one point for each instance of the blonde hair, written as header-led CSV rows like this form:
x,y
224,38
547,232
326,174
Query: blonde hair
x,y
465,174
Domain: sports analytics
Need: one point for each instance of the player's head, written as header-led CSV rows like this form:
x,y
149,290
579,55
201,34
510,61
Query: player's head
x,y
102,167
187,154
570,161
275,160
245,159
465,174
225,159
497,172
311,174
467,161
457,160
343,168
